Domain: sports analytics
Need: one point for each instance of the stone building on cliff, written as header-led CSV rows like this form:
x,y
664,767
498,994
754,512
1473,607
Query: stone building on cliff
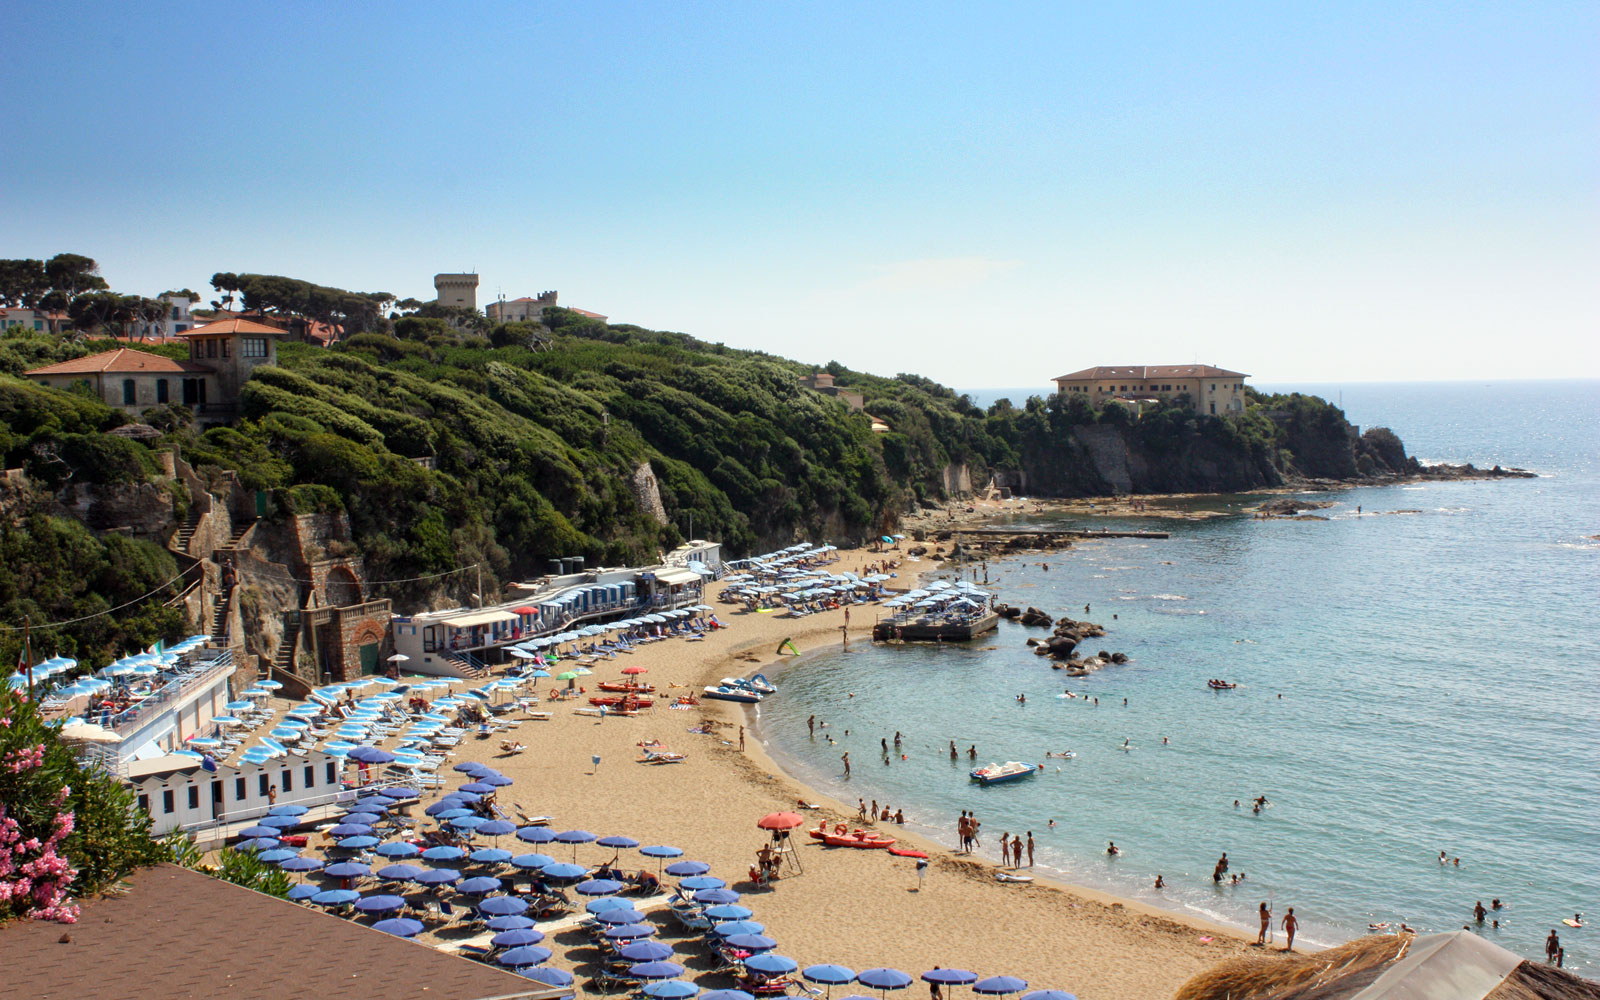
x,y
1207,388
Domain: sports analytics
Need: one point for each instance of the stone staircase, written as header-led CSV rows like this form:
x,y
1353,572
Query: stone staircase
x,y
467,664
219,619
288,648
186,531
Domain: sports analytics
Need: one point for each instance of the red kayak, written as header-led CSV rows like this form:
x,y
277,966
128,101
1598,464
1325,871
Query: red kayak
x,y
628,701
906,852
626,687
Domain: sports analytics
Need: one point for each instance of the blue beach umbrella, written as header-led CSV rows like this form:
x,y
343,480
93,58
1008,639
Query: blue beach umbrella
x,y
732,911
301,864
564,872
950,977
532,861
716,896
260,831
305,890
278,854
550,977
655,970
467,797
496,828
443,852
607,903
530,954
698,882
479,886
999,985
621,915
661,851
503,906
884,979
380,904
453,813
751,942
645,951
1049,995
403,873
630,932
281,822
335,897
508,923
443,805
471,767
828,975
347,869
288,809
399,849
517,938
468,822
771,965
437,876
351,830
682,869
257,843
726,995
536,834
399,926
399,793
671,989
494,781
490,856
599,887
730,928
477,788
618,842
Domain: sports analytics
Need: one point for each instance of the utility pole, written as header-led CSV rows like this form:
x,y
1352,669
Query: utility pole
x,y
27,651
479,594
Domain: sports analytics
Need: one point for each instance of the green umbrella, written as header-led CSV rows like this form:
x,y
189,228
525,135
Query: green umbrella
x,y
568,675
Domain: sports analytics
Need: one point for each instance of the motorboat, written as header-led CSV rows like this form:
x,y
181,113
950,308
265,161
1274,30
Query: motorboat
x,y
1009,771
759,684
842,836
1220,685
723,692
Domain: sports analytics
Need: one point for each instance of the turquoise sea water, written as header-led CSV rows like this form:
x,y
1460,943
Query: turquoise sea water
x,y
1439,673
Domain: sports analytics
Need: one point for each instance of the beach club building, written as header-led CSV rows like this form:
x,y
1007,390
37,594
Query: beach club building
x,y
1208,389
182,793
462,642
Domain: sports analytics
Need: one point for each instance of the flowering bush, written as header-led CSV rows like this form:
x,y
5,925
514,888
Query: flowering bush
x,y
65,830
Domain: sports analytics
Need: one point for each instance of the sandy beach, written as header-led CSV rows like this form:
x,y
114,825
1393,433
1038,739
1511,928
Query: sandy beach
x,y
857,908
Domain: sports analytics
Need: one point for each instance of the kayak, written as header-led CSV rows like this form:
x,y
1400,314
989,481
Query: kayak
x,y
906,852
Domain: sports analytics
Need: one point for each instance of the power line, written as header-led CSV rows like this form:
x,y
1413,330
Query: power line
x,y
102,614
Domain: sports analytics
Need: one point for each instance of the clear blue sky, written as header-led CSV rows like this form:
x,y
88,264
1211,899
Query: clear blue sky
x,y
988,194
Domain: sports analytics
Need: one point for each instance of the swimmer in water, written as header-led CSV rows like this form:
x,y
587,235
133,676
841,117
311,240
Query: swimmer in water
x,y
1113,849
1022,699
1159,883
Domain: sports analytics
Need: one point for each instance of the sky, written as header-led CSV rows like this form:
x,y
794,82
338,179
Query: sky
x,y
987,194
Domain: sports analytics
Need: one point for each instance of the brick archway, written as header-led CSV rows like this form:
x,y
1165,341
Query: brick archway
x,y
341,588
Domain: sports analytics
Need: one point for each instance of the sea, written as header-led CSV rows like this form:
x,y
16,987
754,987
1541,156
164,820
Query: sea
x,y
1419,673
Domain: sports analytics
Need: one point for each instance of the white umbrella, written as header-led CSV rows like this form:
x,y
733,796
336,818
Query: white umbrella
x,y
89,733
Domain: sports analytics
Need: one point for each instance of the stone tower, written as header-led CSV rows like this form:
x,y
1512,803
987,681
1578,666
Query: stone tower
x,y
459,290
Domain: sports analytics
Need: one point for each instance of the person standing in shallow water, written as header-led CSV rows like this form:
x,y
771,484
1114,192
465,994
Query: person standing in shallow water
x,y
846,759
1290,925
1266,922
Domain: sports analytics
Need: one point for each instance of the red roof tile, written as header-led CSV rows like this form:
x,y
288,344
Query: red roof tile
x,y
178,934
1148,372
225,326
119,361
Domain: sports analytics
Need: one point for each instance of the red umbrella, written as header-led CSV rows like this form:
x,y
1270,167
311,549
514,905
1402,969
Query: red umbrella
x,y
636,670
524,611
780,821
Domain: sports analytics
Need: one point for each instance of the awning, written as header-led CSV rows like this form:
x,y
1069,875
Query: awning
x,y
480,618
677,577
702,569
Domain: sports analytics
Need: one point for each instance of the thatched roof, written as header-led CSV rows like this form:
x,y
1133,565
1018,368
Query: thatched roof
x,y
1455,966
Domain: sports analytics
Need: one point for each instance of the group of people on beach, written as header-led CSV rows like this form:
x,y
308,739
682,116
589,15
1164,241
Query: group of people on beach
x,y
873,814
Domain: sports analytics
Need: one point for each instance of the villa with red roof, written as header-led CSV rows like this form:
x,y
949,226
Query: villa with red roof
x,y
1209,389
221,357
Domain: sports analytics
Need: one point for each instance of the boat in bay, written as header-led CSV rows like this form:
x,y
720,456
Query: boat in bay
x,y
1011,770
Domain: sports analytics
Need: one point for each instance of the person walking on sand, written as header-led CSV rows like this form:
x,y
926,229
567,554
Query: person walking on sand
x,y
1030,848
741,739
1016,852
1005,849
1266,923
846,759
1290,925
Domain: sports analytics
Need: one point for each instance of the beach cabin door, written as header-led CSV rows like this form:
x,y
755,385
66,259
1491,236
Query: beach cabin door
x,y
369,658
